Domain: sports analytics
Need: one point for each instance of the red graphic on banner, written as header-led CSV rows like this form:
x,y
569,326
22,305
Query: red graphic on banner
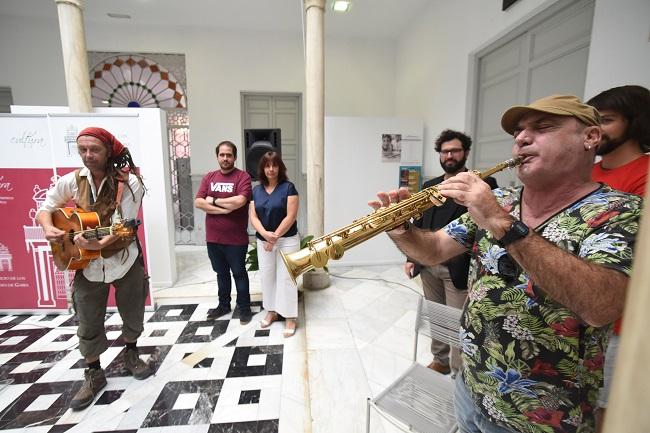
x,y
28,278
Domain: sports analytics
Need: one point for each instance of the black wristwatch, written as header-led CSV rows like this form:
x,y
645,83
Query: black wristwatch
x,y
517,230
214,201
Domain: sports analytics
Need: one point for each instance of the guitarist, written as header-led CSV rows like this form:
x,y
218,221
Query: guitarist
x,y
109,185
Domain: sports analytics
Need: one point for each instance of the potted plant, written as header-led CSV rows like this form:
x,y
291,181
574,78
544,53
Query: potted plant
x,y
251,257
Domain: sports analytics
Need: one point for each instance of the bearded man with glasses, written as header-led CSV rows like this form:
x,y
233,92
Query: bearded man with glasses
x,y
445,283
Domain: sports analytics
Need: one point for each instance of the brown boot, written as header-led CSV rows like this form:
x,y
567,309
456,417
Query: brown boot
x,y
135,365
439,367
94,381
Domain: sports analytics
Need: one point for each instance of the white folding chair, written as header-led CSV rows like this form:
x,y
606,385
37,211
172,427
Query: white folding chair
x,y
422,400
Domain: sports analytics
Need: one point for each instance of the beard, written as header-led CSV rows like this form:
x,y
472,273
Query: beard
x,y
452,166
226,165
608,144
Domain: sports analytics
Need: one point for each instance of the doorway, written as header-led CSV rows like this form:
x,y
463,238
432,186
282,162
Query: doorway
x,y
283,111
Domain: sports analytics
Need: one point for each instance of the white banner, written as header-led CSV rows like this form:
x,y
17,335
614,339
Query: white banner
x,y
25,141
36,148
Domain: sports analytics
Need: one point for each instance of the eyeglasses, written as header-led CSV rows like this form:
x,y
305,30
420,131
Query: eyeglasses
x,y
454,152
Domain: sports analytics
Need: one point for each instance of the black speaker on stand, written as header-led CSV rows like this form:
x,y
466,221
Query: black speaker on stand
x,y
257,143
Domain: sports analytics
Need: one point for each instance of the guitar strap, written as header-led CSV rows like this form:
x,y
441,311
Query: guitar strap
x,y
118,207
141,256
123,243
118,197
91,199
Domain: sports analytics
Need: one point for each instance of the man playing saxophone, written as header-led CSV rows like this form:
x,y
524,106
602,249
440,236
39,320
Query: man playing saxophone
x,y
549,271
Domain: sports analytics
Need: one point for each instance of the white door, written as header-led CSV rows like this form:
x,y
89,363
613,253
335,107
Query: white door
x,y
543,58
279,110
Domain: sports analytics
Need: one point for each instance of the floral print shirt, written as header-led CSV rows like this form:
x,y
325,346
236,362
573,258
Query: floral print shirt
x,y
530,363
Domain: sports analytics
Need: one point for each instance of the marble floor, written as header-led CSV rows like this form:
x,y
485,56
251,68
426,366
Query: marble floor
x,y
353,339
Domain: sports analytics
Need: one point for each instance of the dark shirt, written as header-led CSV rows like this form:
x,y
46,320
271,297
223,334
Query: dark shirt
x,y
436,218
271,208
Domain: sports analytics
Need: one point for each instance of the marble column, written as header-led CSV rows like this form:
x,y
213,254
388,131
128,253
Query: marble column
x,y
75,58
314,108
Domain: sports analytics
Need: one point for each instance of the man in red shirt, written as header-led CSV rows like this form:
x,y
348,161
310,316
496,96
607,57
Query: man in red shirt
x,y
223,196
625,125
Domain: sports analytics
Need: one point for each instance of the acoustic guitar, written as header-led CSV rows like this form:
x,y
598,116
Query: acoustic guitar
x,y
67,255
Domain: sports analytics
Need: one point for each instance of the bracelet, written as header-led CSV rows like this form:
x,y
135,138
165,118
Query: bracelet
x,y
214,201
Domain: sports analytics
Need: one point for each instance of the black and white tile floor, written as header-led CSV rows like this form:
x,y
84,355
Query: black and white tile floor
x,y
209,376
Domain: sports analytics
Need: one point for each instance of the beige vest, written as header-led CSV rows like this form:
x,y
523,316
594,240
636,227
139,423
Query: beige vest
x,y
105,207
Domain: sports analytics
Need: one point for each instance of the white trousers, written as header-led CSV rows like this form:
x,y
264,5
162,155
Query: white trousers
x,y
278,292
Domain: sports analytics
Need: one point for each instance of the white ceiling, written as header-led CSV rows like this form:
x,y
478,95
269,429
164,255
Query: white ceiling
x,y
385,19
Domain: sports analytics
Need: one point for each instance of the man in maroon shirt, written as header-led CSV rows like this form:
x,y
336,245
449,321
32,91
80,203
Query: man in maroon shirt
x,y
223,196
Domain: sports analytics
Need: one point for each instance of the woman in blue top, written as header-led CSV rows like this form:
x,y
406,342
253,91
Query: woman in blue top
x,y
273,213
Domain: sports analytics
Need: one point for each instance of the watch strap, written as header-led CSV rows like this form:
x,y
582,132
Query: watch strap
x,y
518,230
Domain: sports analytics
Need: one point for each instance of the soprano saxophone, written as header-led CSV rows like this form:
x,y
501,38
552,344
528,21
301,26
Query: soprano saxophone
x,y
318,251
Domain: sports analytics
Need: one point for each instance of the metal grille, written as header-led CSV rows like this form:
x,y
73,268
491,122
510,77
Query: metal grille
x,y
178,129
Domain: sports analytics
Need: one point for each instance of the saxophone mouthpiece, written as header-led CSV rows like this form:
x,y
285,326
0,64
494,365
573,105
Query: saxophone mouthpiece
x,y
512,163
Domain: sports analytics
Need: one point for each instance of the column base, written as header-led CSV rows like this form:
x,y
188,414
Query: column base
x,y
316,279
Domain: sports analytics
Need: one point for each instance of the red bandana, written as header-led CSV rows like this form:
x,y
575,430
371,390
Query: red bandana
x,y
105,137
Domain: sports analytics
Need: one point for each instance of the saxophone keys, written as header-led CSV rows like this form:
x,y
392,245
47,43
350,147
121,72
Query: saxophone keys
x,y
336,250
318,259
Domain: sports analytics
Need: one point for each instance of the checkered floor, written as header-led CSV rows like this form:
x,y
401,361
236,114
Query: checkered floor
x,y
231,383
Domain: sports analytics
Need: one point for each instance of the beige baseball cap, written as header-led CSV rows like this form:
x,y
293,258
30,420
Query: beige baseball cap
x,y
560,105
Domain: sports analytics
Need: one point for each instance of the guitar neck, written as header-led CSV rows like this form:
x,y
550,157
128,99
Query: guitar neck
x,y
96,233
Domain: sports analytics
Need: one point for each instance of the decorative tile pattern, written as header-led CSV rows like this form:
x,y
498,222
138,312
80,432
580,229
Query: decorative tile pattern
x,y
17,340
239,366
8,322
234,388
249,396
169,313
39,363
164,412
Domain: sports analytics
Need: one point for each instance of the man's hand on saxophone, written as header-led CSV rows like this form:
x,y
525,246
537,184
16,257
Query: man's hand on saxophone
x,y
469,190
424,246
388,198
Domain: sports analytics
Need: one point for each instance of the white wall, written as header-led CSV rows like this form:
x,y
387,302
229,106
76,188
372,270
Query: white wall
x,y
359,77
422,75
433,56
620,46
354,173
32,64
433,59
360,74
